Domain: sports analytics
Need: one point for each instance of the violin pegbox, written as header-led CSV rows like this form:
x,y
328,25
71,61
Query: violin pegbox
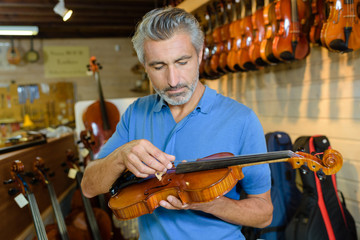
x,y
330,163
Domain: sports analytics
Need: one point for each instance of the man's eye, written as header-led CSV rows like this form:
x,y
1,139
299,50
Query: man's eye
x,y
158,67
183,63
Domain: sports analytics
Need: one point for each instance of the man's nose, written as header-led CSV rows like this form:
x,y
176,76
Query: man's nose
x,y
173,76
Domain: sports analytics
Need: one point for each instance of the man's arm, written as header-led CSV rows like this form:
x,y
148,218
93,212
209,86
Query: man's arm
x,y
254,211
139,156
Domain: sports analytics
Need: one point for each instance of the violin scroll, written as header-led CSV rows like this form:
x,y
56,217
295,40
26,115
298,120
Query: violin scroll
x,y
330,164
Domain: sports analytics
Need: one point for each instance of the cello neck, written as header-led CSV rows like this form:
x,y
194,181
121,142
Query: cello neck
x,y
57,211
35,213
90,216
104,115
228,161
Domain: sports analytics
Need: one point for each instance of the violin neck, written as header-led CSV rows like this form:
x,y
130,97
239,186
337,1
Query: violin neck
x,y
294,11
57,211
90,216
242,161
104,115
35,213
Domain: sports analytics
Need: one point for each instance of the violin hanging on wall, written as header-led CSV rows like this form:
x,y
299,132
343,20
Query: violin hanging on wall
x,y
205,179
341,32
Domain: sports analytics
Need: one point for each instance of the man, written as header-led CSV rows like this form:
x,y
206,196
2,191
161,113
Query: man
x,y
184,120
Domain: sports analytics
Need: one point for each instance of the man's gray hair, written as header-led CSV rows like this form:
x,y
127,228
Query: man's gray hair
x,y
162,23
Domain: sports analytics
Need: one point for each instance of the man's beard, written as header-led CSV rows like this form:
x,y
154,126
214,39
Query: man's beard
x,y
178,98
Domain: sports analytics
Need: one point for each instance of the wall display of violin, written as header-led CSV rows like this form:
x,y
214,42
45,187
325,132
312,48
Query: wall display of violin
x,y
101,116
256,34
17,177
205,179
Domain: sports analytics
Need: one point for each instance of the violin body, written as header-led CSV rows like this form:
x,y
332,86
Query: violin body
x,y
243,59
133,202
259,29
218,48
291,43
271,27
235,31
342,29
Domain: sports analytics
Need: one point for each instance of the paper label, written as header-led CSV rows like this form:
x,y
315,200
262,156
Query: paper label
x,y
84,152
72,173
21,200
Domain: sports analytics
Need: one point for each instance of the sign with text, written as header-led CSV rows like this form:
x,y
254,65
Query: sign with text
x,y
65,61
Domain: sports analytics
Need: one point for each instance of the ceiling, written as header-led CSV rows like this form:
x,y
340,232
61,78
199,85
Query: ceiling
x,y
90,19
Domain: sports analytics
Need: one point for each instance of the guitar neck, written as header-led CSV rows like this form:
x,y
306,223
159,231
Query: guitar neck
x,y
90,216
39,225
57,211
243,160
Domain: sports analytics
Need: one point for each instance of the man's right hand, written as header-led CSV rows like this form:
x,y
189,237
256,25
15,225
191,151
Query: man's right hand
x,y
142,158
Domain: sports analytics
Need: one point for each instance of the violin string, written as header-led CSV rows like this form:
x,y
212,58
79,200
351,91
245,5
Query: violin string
x,y
39,225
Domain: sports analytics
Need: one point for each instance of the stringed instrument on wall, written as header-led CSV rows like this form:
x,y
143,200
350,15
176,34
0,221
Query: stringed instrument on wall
x,y
243,59
271,26
258,23
341,32
225,37
101,117
218,46
205,179
318,10
17,177
235,35
291,41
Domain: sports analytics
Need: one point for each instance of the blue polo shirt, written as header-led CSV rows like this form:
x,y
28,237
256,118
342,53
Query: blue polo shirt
x,y
217,124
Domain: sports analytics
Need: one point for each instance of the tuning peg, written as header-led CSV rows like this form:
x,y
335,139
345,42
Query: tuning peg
x,y
63,164
13,191
81,164
303,170
66,170
321,175
52,174
9,181
301,149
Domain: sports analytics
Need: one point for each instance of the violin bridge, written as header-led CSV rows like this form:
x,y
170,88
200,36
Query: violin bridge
x,y
159,175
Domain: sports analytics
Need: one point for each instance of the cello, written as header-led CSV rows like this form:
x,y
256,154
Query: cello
x,y
318,10
205,179
100,117
342,30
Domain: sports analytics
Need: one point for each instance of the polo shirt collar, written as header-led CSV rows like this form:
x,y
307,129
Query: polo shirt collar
x,y
205,104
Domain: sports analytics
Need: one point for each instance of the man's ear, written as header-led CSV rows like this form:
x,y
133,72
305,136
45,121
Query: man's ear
x,y
201,54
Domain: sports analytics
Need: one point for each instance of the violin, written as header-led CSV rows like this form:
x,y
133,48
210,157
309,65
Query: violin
x,y
225,38
59,230
210,49
17,177
342,30
205,179
243,59
258,23
271,26
101,116
97,222
291,43
235,36
318,10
